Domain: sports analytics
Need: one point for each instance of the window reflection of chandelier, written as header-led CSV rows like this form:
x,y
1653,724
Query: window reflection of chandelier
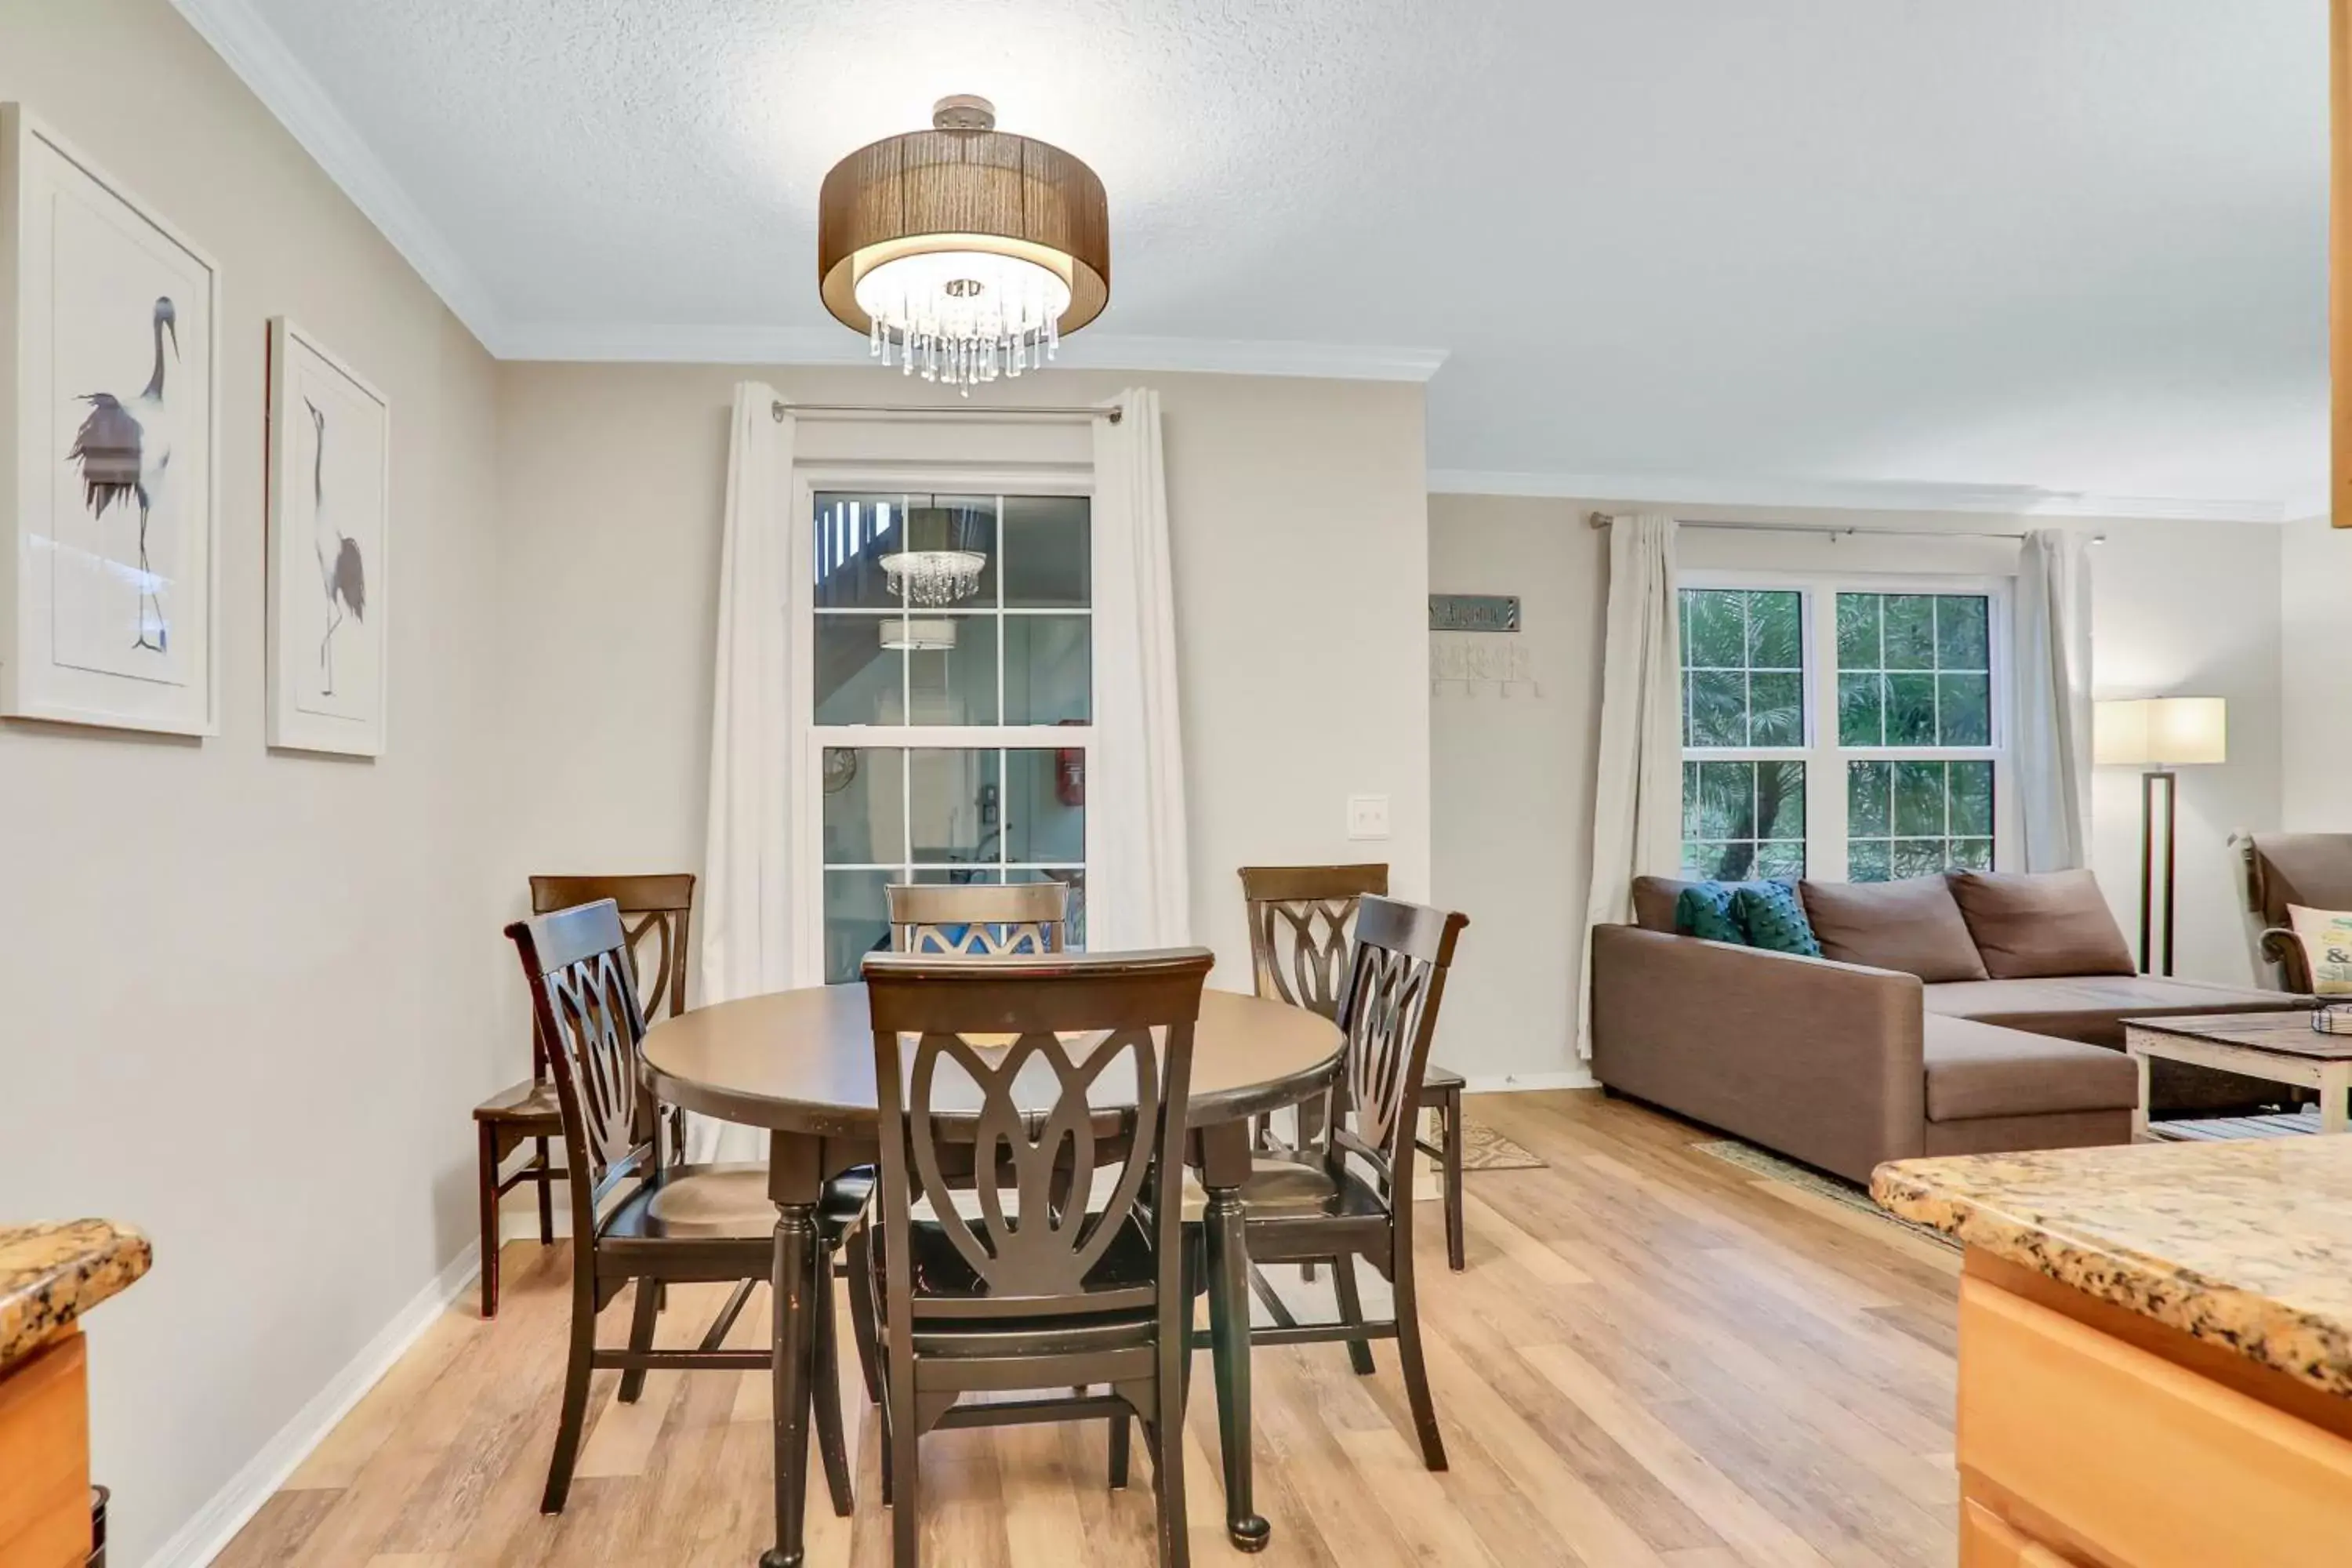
x,y
939,560
918,634
962,252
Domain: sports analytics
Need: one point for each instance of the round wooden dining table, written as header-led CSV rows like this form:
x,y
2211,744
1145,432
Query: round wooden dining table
x,y
800,1064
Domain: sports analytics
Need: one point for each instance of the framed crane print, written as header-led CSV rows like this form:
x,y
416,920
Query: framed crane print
x,y
109,441
329,511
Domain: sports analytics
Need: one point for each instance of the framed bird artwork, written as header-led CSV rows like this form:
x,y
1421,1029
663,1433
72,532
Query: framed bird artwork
x,y
109,441
330,528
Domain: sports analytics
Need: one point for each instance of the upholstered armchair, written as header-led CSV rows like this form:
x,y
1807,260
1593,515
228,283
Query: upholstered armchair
x,y
2314,870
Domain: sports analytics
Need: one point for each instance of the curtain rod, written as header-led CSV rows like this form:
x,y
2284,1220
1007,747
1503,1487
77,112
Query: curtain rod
x,y
1836,530
782,408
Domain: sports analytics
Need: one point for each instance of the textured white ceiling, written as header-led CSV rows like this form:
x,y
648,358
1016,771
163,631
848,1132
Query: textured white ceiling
x,y
2033,245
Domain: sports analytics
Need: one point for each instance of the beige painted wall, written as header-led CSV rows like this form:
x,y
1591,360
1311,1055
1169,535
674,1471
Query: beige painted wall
x,y
1511,830
2315,654
2192,609
2185,607
1299,531
247,993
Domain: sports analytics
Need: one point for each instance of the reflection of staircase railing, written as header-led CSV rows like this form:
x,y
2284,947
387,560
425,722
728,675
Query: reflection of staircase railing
x,y
844,531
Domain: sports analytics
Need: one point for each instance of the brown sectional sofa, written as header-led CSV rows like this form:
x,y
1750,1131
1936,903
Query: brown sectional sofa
x,y
1843,1066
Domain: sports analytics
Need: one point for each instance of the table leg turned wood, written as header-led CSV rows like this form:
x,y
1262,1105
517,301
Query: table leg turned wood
x,y
1224,1164
793,1183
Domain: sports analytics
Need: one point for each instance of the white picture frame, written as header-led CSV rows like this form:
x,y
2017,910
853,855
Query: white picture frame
x,y
110,496
329,550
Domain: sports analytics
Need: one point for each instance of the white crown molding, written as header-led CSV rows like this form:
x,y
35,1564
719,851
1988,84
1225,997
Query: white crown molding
x,y
209,1530
1852,495
287,89
655,344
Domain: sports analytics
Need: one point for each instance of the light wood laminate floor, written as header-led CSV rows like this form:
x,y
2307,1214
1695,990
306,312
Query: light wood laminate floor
x,y
1655,1360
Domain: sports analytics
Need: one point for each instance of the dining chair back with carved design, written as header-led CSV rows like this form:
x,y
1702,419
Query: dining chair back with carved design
x,y
1354,1197
1052,1285
660,1223
1300,918
979,920
656,912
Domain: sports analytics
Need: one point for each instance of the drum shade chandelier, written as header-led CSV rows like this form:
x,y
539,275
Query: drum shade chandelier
x,y
962,253
941,554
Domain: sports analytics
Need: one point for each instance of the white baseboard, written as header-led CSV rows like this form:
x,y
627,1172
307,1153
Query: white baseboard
x,y
214,1525
1526,1082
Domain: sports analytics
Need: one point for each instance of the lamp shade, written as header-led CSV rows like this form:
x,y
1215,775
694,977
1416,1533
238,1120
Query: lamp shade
x,y
2161,731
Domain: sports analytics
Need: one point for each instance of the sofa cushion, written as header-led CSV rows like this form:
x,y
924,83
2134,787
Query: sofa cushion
x,y
1771,916
1654,899
1913,926
1705,912
1975,1070
2050,923
2091,1008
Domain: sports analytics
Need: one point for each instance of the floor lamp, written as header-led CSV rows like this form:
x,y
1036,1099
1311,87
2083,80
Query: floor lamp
x,y
2159,734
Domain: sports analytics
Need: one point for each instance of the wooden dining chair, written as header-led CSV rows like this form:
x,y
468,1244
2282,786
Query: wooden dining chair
x,y
1353,1196
1053,1285
1299,920
979,920
656,912
661,1224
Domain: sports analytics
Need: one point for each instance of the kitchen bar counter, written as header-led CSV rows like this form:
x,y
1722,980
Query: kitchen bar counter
x,y
2156,1351
50,1275
2246,1246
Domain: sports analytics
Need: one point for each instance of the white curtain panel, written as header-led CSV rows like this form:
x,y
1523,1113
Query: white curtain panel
x,y
2053,744
759,728
1637,802
1138,884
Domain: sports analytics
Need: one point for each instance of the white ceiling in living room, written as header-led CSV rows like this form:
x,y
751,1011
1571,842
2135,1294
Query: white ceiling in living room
x,y
2007,254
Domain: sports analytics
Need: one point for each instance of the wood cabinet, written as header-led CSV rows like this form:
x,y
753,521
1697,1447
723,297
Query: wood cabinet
x,y
44,1459
2088,1438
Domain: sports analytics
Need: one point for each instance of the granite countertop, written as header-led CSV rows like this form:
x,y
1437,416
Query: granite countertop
x,y
2247,1244
51,1274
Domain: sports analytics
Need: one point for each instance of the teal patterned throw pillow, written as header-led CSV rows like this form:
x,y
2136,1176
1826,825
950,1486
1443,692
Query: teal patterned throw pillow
x,y
1705,912
1771,916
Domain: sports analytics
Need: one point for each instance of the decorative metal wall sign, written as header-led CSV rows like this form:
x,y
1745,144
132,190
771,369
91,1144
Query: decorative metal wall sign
x,y
1474,612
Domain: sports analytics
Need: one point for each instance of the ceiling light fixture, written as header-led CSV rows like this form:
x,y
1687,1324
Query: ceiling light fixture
x,y
942,550
962,253
927,635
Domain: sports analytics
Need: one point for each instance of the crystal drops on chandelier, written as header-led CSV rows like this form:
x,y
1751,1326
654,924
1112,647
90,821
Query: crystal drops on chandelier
x,y
963,317
931,578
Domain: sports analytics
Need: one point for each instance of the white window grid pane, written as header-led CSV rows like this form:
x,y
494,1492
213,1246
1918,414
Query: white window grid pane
x,y
1824,752
1937,668
1747,670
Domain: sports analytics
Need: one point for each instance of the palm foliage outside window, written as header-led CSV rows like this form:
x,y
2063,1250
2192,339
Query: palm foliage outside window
x,y
1898,775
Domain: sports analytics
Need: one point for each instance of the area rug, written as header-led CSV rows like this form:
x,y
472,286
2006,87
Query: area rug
x,y
1484,1149
1748,1157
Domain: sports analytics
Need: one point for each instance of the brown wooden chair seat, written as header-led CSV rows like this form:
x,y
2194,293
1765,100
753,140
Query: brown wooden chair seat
x,y
1280,1187
661,1224
1300,917
720,1205
656,912
951,1289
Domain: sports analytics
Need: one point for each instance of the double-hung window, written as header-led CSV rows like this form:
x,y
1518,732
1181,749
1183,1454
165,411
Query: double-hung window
x,y
951,739
1845,729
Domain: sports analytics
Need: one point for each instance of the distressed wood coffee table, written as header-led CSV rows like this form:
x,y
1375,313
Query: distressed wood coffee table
x,y
2278,1047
